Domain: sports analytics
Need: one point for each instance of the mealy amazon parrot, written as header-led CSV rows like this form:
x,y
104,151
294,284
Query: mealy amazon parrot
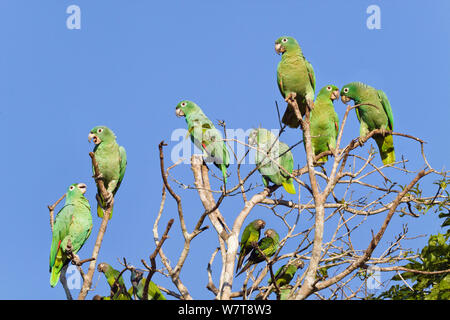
x,y
295,79
268,245
324,121
138,282
73,223
204,135
269,163
251,234
119,290
377,115
112,162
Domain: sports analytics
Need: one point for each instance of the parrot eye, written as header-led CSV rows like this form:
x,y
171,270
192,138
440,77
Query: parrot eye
x,y
72,187
329,88
100,130
345,90
284,40
183,104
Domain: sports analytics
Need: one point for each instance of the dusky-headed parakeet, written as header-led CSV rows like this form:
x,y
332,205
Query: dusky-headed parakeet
x,y
295,79
119,290
204,135
138,282
286,273
377,115
112,163
73,223
251,234
268,245
324,121
271,155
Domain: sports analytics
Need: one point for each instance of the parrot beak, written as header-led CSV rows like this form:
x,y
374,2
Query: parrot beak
x,y
335,95
94,138
179,113
279,48
345,99
82,187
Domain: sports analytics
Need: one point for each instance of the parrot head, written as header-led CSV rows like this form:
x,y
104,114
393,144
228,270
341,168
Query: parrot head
x,y
348,92
260,136
271,233
259,224
330,91
102,267
286,44
185,107
76,189
136,276
298,263
101,134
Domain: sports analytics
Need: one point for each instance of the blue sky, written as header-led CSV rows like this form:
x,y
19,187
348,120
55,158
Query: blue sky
x,y
133,61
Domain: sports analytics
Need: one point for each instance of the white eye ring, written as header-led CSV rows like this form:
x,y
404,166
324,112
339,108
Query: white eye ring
x,y
100,130
183,104
329,88
346,90
284,40
72,187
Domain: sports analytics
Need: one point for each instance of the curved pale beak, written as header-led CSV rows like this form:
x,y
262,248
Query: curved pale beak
x,y
82,187
94,138
345,99
335,95
179,112
279,48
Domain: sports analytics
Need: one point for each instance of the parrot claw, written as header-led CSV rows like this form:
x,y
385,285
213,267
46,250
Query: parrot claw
x,y
360,141
98,177
108,199
290,97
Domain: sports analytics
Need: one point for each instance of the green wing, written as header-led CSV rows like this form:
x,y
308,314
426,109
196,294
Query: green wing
x,y
286,159
311,75
123,165
387,108
60,230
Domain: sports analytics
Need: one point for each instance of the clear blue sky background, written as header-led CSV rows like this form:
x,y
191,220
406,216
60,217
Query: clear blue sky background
x,y
133,61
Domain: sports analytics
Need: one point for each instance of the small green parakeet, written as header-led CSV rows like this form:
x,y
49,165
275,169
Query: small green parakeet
x,y
73,223
286,273
251,234
271,155
112,163
119,290
377,115
204,135
324,121
295,78
138,282
268,245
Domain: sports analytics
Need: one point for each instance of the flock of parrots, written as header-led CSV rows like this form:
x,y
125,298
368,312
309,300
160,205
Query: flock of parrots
x,y
295,80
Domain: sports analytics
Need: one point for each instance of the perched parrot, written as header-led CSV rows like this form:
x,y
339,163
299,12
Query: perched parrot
x,y
251,234
119,290
204,135
324,121
378,115
112,162
279,155
295,78
138,282
286,273
73,223
268,245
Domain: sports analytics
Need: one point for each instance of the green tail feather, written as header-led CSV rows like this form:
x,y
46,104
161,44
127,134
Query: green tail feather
x,y
323,159
223,168
56,269
386,148
100,209
289,186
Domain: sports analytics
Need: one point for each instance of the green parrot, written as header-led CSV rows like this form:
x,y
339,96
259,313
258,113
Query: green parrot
x,y
204,135
138,282
370,117
73,223
279,153
251,234
286,273
295,79
324,121
111,274
112,162
268,245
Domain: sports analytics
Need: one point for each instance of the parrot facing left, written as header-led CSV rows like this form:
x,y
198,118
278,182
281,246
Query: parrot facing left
x,y
251,234
295,79
377,115
286,273
112,163
268,245
204,135
269,164
324,121
119,290
138,282
74,223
